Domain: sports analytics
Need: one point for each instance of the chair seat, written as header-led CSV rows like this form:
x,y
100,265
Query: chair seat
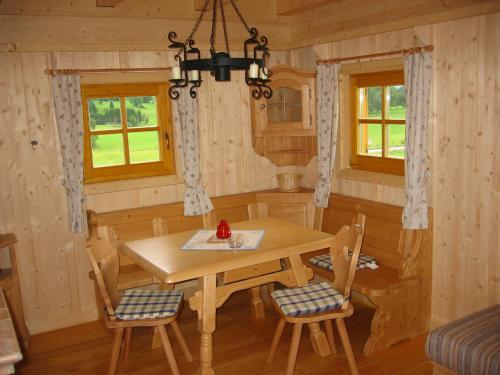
x,y
308,299
325,261
148,304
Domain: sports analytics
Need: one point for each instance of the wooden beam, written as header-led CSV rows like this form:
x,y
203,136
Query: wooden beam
x,y
198,4
107,3
291,7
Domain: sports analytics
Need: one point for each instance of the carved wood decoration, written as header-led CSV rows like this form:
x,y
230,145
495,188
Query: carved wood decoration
x,y
284,126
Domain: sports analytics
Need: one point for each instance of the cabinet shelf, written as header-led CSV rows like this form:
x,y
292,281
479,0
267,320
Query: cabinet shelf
x,y
284,126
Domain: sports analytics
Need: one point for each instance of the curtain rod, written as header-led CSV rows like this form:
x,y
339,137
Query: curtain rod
x,y
54,72
400,52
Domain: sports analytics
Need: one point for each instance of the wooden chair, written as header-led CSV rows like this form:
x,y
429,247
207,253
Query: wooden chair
x,y
331,301
122,316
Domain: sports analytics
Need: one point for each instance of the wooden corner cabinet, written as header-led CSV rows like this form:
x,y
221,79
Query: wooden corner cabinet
x,y
9,283
284,126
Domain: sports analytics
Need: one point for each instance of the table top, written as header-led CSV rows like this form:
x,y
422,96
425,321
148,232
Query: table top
x,y
163,257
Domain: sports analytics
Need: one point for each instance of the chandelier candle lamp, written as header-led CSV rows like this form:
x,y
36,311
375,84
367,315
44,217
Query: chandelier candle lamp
x,y
220,64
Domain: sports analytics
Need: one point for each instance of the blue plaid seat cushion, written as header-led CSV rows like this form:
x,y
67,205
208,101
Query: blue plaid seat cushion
x,y
307,299
148,304
325,261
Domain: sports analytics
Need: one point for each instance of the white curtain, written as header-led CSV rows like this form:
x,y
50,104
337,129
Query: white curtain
x,y
68,113
418,80
327,113
196,200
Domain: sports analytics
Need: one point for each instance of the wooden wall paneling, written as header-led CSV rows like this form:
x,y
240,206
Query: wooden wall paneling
x,y
249,156
15,152
494,97
448,140
233,164
58,260
205,128
52,33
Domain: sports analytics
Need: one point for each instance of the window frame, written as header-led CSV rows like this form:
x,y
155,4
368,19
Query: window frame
x,y
382,163
166,164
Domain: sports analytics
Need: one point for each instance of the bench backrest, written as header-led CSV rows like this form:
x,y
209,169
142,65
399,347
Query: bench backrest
x,y
385,239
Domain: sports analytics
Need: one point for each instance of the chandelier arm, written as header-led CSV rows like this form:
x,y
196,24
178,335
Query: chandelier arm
x,y
240,16
224,25
198,21
214,26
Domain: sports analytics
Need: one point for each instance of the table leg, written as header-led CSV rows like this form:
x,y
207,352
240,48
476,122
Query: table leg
x,y
206,324
257,304
317,336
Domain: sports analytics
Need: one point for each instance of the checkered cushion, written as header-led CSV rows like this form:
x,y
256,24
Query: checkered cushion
x,y
325,261
148,304
308,299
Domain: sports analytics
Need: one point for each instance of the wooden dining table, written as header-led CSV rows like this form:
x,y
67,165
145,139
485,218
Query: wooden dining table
x,y
164,258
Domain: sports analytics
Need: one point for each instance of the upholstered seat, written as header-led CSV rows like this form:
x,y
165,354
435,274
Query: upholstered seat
x,y
148,304
308,299
325,261
470,345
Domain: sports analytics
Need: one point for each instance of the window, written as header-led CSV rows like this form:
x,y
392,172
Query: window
x,y
378,112
128,131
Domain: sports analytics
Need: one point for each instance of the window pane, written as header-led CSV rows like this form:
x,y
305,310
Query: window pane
x,y
285,106
396,102
141,111
370,139
104,114
143,147
397,138
107,150
370,102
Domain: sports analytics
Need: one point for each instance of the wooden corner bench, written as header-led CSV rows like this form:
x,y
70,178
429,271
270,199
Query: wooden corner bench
x,y
400,288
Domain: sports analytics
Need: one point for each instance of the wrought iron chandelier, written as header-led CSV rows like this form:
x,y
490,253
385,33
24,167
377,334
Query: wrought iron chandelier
x,y
220,64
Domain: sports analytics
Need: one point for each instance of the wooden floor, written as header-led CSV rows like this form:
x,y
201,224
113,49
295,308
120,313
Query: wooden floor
x,y
241,346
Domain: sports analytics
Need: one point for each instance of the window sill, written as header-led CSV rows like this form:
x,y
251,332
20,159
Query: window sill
x,y
132,184
372,177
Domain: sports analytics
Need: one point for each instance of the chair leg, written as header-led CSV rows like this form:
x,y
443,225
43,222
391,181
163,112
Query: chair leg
x,y
168,350
294,348
329,335
126,346
181,341
344,337
276,340
115,352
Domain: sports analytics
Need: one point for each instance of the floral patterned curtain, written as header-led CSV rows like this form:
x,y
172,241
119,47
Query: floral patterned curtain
x,y
418,80
196,200
327,112
68,113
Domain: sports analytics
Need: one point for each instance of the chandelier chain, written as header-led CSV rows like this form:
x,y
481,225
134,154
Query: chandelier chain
x,y
198,21
240,16
224,25
214,28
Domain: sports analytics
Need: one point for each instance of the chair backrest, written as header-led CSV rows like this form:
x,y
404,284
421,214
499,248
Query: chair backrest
x,y
347,239
209,220
318,218
257,210
105,264
159,226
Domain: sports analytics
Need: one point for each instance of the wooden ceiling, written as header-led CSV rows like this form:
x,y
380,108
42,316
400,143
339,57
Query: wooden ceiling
x,y
144,24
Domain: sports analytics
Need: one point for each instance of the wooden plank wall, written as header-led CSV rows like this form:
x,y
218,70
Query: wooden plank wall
x,y
464,155
53,265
